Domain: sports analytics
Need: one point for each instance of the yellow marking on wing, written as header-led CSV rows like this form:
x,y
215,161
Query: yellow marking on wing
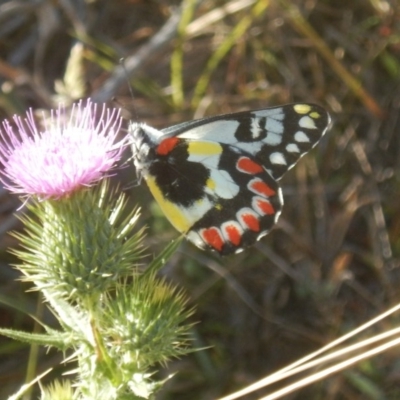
x,y
315,115
302,108
206,148
174,213
210,184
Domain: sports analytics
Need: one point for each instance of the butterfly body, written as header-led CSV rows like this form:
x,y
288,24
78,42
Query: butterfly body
x,y
216,178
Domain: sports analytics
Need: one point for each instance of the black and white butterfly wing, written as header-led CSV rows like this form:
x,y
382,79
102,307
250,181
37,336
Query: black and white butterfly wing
x,y
216,178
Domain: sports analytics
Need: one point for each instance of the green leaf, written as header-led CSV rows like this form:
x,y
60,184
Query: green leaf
x,y
54,339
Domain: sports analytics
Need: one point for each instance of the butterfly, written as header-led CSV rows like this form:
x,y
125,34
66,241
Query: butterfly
x,y
216,178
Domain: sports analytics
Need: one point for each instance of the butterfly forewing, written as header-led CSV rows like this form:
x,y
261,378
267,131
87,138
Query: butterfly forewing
x,y
278,137
216,178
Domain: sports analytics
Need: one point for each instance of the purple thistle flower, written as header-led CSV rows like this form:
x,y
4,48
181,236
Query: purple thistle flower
x,y
70,152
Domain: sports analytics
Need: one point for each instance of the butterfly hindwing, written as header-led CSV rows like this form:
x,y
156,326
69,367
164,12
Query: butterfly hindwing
x,y
216,178
244,202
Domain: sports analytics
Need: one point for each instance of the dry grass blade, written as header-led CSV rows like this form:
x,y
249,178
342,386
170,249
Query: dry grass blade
x,y
200,24
304,363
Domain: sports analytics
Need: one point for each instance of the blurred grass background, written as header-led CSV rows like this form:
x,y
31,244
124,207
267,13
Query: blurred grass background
x,y
331,263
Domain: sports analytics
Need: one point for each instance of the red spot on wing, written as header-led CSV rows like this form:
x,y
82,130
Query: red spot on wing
x,y
233,234
167,145
265,206
213,237
248,166
262,188
251,221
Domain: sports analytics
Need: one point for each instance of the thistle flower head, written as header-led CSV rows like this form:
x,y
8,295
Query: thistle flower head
x,y
70,152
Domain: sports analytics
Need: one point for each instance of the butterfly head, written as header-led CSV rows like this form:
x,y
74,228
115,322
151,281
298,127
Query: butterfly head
x,y
144,140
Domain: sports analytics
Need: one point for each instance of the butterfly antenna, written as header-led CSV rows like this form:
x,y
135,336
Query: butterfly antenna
x,y
132,108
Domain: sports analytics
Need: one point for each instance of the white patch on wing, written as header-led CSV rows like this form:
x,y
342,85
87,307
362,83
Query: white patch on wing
x,y
251,148
292,148
256,131
195,238
273,139
217,131
274,125
222,185
301,137
307,122
277,158
211,161
276,113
